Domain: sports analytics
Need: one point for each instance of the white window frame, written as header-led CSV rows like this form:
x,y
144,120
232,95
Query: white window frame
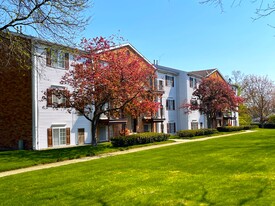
x,y
57,58
171,104
193,82
58,136
56,100
170,81
171,127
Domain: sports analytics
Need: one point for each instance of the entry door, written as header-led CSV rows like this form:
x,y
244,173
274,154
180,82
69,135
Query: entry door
x,y
102,133
81,136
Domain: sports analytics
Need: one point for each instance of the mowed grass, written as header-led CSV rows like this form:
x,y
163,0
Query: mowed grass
x,y
233,170
10,160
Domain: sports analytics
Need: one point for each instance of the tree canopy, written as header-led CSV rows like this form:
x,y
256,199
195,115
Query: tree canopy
x,y
112,80
213,96
59,21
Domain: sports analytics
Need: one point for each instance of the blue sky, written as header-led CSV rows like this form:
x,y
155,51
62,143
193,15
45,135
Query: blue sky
x,y
189,36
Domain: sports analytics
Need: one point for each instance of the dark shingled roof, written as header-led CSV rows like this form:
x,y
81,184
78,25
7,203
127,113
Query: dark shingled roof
x,y
202,73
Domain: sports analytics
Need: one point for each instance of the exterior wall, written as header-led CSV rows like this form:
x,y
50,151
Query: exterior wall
x,y
170,93
181,93
16,97
52,118
194,116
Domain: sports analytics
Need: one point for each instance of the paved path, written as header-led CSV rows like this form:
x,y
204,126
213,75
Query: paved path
x,y
85,159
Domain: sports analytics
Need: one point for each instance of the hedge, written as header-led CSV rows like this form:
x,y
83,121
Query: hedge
x,y
236,128
196,132
140,138
269,125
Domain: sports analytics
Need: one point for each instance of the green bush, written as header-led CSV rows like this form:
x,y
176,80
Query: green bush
x,y
271,119
140,138
196,132
269,125
236,128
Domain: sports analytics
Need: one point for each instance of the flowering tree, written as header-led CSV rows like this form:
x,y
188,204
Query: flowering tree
x,y
111,80
213,96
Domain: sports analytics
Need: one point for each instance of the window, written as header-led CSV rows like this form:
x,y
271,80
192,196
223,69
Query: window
x,y
57,58
194,101
57,97
58,136
192,82
169,81
160,85
171,127
170,104
147,128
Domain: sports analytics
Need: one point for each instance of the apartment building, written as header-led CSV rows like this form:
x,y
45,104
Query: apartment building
x,y
29,122
178,87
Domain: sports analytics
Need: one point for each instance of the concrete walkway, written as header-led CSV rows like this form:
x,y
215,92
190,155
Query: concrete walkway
x,y
85,159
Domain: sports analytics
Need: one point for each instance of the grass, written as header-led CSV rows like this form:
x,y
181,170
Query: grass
x,y
233,170
10,160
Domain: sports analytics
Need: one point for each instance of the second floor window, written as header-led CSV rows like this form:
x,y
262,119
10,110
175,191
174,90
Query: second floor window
x,y
170,104
57,58
169,81
56,97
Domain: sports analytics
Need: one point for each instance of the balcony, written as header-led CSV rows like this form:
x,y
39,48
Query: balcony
x,y
153,119
113,121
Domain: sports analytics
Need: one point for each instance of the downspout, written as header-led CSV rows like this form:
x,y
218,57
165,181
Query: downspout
x,y
34,100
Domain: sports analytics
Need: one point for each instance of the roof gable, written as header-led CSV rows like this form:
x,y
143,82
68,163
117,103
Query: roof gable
x,y
132,49
213,73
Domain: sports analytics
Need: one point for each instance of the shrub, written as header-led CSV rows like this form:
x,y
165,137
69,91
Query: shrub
x,y
236,128
268,125
140,138
196,132
271,119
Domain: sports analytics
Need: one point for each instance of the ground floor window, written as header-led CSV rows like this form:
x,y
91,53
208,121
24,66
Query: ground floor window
x,y
58,136
171,127
147,127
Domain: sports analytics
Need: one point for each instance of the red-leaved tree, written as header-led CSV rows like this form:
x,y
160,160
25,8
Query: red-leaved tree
x,y
213,96
111,80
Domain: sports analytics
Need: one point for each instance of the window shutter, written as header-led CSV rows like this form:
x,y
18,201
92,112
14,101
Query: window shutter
x,y
67,95
68,132
49,98
166,80
50,137
166,104
173,104
174,127
66,60
48,57
168,128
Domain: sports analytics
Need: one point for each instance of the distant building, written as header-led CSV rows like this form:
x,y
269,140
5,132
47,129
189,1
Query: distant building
x,y
178,87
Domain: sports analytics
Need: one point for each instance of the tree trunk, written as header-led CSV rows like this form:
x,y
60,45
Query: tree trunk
x,y
93,132
209,121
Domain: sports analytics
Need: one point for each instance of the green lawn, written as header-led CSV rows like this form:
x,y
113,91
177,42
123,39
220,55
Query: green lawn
x,y
233,170
10,160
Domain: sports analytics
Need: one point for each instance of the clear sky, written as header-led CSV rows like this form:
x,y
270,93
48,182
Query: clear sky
x,y
186,35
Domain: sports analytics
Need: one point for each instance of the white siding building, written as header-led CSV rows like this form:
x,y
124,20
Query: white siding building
x,y
178,89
